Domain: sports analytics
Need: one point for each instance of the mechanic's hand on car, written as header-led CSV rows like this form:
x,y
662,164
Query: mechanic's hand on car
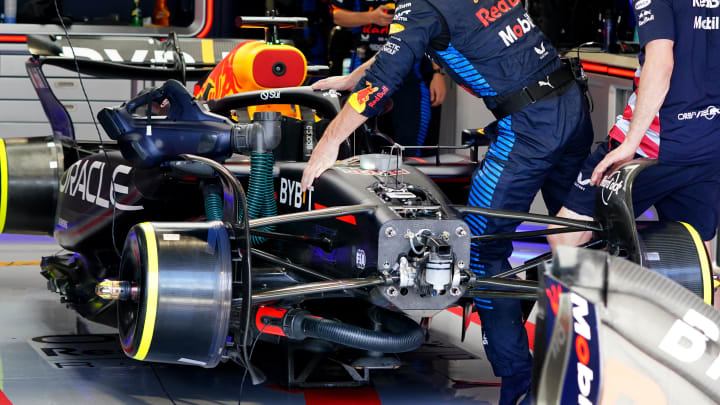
x,y
437,89
338,83
622,154
381,16
323,158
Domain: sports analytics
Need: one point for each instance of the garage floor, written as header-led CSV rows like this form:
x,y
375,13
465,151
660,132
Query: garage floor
x,y
48,355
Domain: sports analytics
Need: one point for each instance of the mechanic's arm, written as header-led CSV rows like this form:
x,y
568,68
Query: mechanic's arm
x,y
326,150
351,19
383,76
652,89
346,82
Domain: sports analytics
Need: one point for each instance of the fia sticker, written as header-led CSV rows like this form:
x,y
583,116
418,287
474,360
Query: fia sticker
x,y
360,259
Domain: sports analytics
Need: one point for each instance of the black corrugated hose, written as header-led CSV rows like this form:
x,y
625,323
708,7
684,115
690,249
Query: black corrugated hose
x,y
404,334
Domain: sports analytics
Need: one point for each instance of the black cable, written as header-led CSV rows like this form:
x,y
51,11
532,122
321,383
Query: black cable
x,y
97,128
247,366
162,386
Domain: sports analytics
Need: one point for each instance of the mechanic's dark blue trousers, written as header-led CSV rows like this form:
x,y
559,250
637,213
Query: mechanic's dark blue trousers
x,y
542,147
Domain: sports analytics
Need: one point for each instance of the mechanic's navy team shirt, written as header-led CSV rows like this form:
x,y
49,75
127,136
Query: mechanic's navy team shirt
x,y
687,129
490,47
371,35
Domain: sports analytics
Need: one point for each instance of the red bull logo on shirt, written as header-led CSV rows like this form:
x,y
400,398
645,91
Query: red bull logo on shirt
x,y
501,7
359,99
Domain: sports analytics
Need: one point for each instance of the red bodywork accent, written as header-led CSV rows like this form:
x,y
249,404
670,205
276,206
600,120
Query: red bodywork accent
x,y
597,68
4,400
13,38
272,313
266,59
208,20
221,81
350,219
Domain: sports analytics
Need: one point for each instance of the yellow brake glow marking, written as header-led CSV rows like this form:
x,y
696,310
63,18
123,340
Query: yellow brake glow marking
x,y
704,264
152,292
3,185
208,51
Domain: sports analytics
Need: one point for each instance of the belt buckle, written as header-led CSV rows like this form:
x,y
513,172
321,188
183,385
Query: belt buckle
x,y
528,95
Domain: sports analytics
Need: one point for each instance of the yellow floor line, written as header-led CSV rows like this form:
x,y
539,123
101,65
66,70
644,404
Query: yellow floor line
x,y
14,263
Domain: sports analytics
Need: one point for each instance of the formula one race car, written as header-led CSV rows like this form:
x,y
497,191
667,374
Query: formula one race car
x,y
190,234
207,268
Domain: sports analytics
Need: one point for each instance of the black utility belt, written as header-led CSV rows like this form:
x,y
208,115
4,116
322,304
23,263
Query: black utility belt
x,y
553,85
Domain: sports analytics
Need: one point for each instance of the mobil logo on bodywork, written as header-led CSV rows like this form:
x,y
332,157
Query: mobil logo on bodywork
x,y
571,364
582,379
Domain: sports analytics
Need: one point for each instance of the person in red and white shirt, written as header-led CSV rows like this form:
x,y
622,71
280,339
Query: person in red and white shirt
x,y
672,117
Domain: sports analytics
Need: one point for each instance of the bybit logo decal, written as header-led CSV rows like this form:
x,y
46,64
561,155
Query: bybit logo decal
x,y
688,338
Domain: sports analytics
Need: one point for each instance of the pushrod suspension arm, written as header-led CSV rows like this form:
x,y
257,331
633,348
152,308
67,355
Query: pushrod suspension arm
x,y
314,288
524,216
314,215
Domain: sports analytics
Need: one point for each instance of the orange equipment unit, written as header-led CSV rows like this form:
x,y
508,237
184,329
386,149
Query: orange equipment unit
x,y
257,65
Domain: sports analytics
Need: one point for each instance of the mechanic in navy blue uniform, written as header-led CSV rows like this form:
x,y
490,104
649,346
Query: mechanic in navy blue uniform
x,y
673,117
541,137
412,101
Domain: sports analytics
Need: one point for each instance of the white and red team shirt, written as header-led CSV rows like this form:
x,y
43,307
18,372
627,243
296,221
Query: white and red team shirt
x,y
650,145
686,130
